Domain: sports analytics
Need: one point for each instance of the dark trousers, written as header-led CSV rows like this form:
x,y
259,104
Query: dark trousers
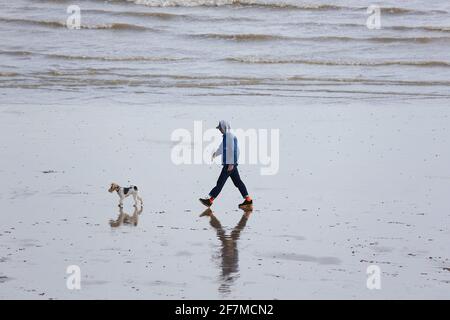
x,y
224,174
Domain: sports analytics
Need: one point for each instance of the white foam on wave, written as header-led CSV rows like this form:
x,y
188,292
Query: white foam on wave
x,y
216,3
277,4
182,3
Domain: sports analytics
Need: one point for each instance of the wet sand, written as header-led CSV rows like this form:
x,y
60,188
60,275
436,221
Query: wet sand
x,y
358,185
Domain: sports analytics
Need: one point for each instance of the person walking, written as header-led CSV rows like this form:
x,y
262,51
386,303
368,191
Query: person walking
x,y
229,151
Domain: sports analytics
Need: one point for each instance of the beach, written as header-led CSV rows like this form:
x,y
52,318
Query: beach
x,y
376,195
363,173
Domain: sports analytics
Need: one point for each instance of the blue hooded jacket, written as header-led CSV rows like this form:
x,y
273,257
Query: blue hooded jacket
x,y
229,147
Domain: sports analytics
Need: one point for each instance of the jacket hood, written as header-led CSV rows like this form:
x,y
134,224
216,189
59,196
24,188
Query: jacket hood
x,y
224,126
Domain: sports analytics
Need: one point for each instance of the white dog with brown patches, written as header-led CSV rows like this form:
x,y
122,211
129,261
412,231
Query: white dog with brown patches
x,y
126,192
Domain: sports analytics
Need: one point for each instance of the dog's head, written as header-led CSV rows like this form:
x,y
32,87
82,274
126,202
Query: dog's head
x,y
113,187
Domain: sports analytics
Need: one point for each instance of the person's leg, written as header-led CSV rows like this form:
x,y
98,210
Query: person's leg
x,y
238,182
224,174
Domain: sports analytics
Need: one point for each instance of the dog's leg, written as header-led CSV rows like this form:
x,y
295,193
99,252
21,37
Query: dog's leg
x,y
121,202
135,199
140,200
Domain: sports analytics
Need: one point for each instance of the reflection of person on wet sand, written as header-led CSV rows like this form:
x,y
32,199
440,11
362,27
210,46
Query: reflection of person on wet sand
x,y
229,251
125,218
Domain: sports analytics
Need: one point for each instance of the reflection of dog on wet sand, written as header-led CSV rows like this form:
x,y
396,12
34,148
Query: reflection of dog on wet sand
x,y
126,192
125,218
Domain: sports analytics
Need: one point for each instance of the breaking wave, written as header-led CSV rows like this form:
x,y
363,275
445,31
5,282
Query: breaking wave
x,y
269,37
58,24
157,15
259,60
240,37
272,5
219,3
97,58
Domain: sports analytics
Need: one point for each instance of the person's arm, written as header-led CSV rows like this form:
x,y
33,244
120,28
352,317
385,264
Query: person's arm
x,y
219,151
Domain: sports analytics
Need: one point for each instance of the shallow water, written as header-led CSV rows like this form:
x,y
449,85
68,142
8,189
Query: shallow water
x,y
202,51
